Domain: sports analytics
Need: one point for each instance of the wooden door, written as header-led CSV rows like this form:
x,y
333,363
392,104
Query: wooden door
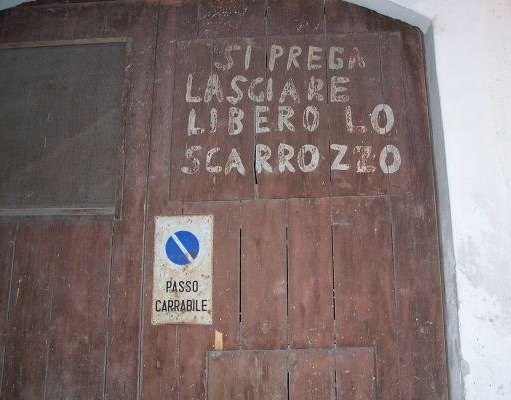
x,y
302,128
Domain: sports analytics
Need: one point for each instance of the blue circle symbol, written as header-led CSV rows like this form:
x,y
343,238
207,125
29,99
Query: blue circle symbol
x,y
182,247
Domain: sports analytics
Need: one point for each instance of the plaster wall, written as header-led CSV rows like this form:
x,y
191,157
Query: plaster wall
x,y
468,50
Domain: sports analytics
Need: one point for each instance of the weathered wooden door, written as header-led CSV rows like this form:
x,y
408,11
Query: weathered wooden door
x,y
301,127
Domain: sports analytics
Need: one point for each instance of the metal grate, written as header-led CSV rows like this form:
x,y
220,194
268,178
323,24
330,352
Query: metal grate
x,y
59,126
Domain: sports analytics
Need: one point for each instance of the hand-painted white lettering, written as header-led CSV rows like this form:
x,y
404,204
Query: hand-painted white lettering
x,y
285,154
311,118
337,88
213,88
189,97
234,161
192,129
365,154
229,62
285,112
235,125
333,62
314,158
263,154
259,98
276,51
356,58
239,93
260,119
314,56
314,89
213,119
280,103
289,89
195,161
294,52
396,159
337,164
308,158
213,169
389,119
269,89
248,55
358,129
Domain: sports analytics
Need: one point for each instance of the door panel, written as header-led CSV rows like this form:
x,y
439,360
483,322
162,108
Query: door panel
x,y
328,281
312,374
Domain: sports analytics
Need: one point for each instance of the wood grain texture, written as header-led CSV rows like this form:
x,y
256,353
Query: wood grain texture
x,y
160,346
2,25
382,298
8,233
310,289
263,275
364,175
79,310
342,17
312,375
290,17
30,312
418,275
247,375
128,258
391,54
364,284
356,374
197,59
235,185
231,18
303,177
195,341
192,58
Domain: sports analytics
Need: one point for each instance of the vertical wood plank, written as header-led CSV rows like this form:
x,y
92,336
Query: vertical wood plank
x,y
312,375
128,258
24,24
159,351
160,346
288,17
235,185
119,18
77,337
418,274
230,18
80,21
364,284
247,375
263,275
193,58
311,313
30,306
2,25
59,22
393,94
356,374
7,249
195,341
363,175
342,17
302,176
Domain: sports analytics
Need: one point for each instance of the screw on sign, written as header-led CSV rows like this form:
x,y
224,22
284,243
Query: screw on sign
x,y
182,247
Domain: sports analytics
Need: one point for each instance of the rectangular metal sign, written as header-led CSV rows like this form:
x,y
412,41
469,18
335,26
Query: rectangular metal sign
x,y
183,270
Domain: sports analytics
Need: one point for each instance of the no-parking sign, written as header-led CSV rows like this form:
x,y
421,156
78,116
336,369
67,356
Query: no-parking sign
x,y
183,270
